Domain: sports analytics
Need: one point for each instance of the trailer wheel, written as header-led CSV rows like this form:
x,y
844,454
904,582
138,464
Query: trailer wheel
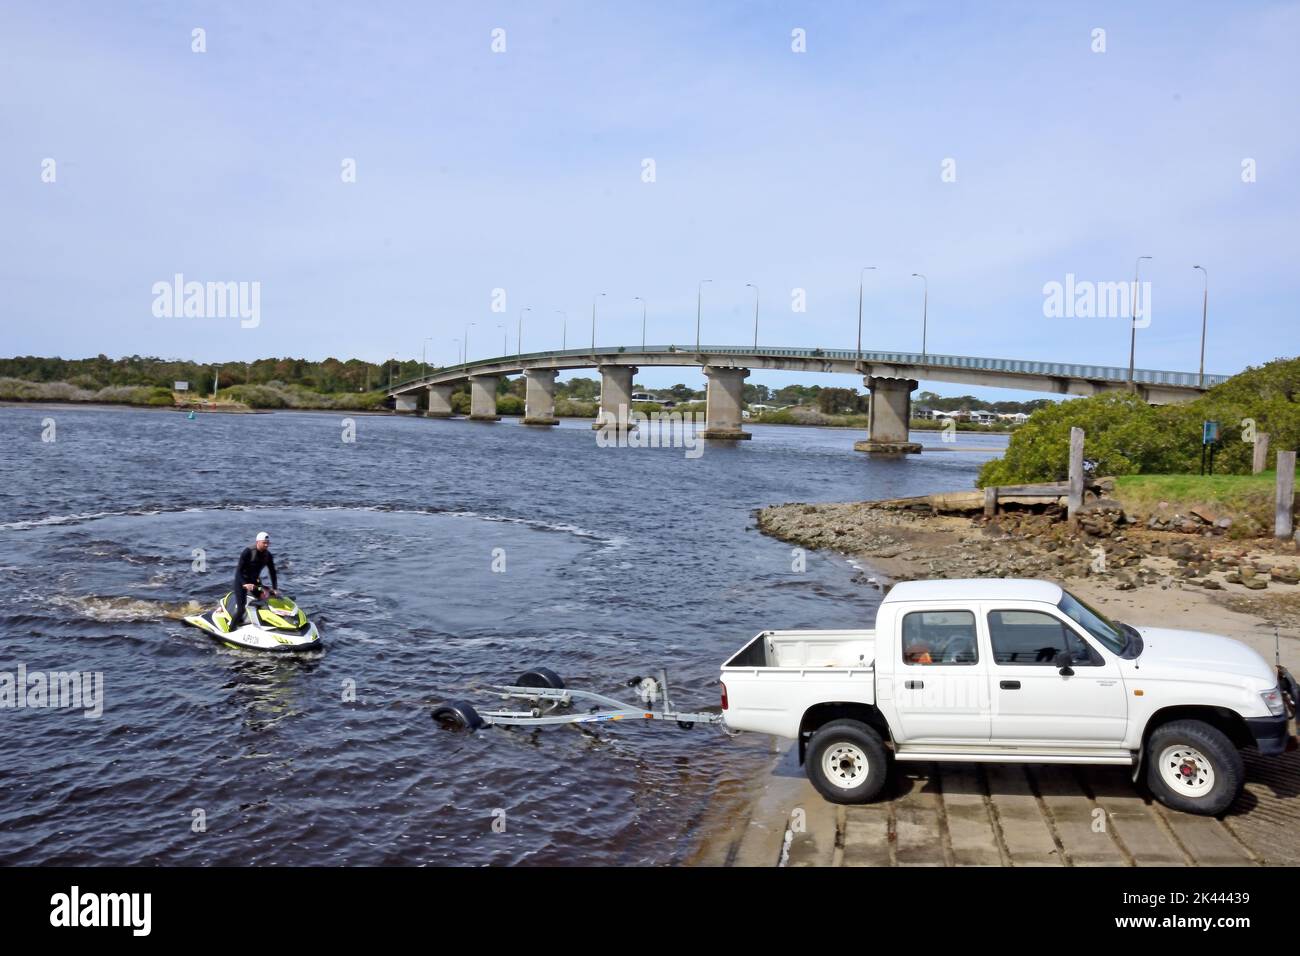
x,y
540,677
846,762
457,715
1194,767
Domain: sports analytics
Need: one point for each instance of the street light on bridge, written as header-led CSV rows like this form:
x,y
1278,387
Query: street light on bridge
x,y
699,296
519,336
593,320
423,360
505,340
564,330
750,285
1133,324
464,344
637,298
861,275
925,312
1205,308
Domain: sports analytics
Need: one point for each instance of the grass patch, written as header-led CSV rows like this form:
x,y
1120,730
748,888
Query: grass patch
x,y
1244,498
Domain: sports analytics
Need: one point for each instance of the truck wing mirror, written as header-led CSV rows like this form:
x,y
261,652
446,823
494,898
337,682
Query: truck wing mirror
x,y
1063,661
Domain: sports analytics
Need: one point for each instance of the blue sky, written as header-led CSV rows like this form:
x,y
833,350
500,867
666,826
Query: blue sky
x,y
522,171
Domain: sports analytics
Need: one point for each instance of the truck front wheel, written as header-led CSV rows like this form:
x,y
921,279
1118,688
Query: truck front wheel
x,y
847,762
1194,767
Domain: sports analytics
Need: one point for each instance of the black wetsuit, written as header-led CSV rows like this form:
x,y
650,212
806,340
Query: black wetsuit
x,y
249,571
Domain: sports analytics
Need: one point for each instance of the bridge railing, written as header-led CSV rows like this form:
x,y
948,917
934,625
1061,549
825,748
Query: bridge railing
x,y
1107,373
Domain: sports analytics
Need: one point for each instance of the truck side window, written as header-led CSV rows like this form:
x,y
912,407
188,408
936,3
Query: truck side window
x,y
939,637
1033,637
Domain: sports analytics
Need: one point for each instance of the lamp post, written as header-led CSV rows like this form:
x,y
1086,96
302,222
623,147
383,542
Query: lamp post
x,y
464,345
861,275
1133,324
637,298
593,320
1205,308
925,312
699,297
424,361
519,336
564,330
505,340
750,285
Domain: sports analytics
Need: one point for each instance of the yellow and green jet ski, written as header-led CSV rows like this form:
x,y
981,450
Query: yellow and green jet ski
x,y
271,623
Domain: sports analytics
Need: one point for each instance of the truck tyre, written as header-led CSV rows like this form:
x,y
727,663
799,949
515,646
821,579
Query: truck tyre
x,y
1194,767
847,762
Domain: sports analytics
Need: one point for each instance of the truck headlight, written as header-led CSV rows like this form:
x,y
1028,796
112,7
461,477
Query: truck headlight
x,y
1273,701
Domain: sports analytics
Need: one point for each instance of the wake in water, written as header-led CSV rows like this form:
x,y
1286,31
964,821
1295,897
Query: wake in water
x,y
100,608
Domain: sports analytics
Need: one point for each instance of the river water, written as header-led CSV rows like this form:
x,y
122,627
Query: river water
x,y
609,563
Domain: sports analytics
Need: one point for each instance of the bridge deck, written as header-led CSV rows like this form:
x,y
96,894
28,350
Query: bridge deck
x,y
1006,373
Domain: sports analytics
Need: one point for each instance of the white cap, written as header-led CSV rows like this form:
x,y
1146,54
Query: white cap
x,y
263,536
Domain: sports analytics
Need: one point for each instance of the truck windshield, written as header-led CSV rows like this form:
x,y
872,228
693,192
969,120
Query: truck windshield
x,y
1099,627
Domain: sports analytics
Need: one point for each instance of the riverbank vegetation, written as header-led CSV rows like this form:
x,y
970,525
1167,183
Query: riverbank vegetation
x,y
1126,436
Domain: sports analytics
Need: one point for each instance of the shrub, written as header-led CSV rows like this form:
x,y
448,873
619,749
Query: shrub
x,y
1126,436
257,396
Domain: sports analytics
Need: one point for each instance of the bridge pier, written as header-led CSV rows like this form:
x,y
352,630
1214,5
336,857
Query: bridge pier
x,y
483,398
440,401
406,402
615,397
723,403
889,417
539,402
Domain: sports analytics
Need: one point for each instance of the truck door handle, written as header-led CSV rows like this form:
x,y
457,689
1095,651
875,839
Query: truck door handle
x,y
1010,685
914,684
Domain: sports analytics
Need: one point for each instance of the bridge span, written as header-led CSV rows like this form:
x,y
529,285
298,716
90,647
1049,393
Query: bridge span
x,y
891,377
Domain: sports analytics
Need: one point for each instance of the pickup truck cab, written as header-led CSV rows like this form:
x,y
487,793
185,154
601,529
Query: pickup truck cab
x,y
1012,671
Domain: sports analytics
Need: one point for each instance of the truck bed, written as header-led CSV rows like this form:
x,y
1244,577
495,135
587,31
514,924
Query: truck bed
x,y
803,649
778,675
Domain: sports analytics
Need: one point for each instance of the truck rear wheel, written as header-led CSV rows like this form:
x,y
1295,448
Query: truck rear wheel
x,y
1194,767
846,761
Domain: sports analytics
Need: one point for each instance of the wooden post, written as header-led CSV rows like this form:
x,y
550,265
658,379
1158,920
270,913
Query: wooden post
x,y
1260,461
990,501
1282,528
1075,498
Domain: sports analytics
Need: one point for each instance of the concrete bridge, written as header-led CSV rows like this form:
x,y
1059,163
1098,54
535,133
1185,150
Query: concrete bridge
x,y
891,378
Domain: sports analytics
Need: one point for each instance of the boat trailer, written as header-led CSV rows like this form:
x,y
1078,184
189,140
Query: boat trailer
x,y
551,704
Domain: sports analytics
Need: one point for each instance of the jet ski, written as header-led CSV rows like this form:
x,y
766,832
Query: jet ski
x,y
271,623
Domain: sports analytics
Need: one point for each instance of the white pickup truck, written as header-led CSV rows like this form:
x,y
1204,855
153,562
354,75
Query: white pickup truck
x,y
1012,670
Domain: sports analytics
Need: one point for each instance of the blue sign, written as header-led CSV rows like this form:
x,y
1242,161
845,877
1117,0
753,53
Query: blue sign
x,y
1209,433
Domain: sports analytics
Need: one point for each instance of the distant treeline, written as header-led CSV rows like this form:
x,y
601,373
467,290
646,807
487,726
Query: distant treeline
x,y
328,376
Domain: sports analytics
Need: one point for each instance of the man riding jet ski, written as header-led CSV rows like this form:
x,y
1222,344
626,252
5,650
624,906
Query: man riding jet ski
x,y
277,624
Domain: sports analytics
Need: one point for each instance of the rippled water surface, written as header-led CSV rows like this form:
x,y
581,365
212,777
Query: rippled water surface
x,y
617,561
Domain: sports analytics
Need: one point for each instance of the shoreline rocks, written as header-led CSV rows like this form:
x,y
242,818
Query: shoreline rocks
x,y
1110,546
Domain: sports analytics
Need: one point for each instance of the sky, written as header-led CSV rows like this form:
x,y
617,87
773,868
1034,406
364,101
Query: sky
x,y
635,149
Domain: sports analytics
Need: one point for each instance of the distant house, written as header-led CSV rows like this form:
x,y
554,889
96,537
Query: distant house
x,y
1014,418
922,413
983,418
647,397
